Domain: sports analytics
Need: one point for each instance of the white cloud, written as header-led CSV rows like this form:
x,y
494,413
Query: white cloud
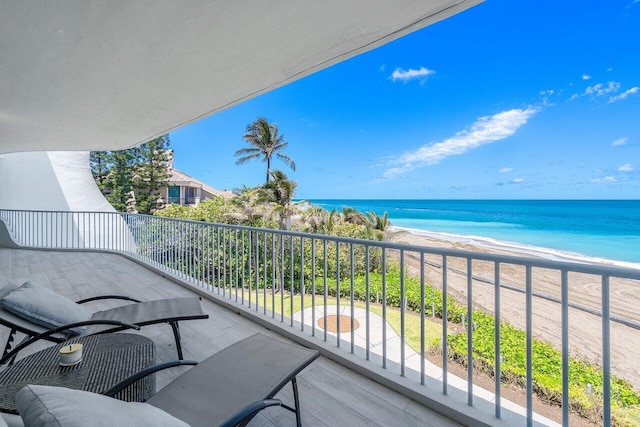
x,y
586,77
611,68
505,170
483,131
620,141
624,94
574,97
516,181
410,74
545,94
625,168
600,89
605,179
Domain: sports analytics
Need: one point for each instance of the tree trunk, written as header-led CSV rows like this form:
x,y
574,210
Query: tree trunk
x,y
268,169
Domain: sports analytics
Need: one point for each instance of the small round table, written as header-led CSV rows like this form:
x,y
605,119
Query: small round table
x,y
106,360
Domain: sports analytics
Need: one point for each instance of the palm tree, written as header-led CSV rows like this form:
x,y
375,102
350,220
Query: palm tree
x,y
378,222
281,191
353,216
265,142
314,217
375,226
328,226
250,206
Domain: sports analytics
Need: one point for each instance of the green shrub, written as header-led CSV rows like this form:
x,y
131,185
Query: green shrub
x,y
432,296
546,367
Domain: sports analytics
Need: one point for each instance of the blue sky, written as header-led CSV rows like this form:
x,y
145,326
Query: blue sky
x,y
507,100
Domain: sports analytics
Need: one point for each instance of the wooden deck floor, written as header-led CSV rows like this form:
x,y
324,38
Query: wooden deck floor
x,y
330,394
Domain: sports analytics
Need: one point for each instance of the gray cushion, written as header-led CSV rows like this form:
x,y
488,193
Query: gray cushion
x,y
45,308
6,286
11,420
58,406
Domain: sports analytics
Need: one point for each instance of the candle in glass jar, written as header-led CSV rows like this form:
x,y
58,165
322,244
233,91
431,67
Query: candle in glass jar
x,y
70,354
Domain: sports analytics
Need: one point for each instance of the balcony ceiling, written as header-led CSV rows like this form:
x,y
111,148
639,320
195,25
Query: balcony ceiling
x,y
95,74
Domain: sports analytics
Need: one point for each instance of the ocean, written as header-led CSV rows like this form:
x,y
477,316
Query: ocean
x,y
606,229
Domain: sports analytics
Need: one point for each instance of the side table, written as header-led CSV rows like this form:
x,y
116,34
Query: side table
x,y
107,359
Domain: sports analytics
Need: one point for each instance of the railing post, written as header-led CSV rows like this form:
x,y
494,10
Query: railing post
x,y
244,268
529,332
403,307
565,346
384,308
351,254
497,346
282,277
292,278
469,332
338,294
313,287
326,290
422,320
274,275
302,289
445,331
606,352
250,278
367,291
265,273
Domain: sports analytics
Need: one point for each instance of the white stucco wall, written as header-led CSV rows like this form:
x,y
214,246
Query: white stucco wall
x,y
59,181
74,176
49,180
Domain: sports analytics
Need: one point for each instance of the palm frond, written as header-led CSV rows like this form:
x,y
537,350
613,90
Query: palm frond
x,y
287,160
247,158
265,140
248,150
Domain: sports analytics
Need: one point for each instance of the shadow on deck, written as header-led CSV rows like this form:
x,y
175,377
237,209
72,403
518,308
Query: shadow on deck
x,y
331,395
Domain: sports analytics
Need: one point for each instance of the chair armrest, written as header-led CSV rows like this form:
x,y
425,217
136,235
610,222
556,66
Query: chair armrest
x,y
100,297
248,412
63,328
144,373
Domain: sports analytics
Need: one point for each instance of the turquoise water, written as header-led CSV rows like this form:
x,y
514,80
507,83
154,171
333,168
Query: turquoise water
x,y
596,228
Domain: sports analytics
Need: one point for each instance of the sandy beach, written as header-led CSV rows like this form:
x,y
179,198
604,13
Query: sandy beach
x,y
585,335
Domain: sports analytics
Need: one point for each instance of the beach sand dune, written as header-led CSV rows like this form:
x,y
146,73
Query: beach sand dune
x,y
585,328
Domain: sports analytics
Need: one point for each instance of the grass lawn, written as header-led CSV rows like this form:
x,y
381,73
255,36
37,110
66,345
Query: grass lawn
x,y
432,330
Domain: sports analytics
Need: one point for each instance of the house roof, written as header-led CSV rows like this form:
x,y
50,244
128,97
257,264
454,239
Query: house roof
x,y
100,75
179,178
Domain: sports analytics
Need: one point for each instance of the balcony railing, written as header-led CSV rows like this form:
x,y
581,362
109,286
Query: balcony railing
x,y
307,281
188,200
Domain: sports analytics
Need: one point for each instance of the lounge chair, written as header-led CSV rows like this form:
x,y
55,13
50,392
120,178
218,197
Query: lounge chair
x,y
227,389
34,310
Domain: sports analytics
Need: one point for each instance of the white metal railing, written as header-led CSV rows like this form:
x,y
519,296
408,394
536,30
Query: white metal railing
x,y
70,230
269,270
